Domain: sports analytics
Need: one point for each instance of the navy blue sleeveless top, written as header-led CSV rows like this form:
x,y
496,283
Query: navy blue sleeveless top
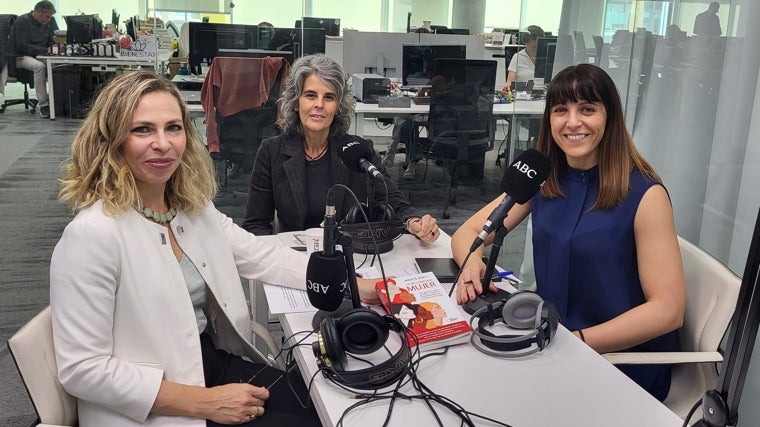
x,y
586,263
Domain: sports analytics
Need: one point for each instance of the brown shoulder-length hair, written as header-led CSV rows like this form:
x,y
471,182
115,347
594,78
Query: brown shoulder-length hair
x,y
97,169
618,155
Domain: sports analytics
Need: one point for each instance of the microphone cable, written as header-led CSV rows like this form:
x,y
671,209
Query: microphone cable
x,y
433,401
369,226
459,273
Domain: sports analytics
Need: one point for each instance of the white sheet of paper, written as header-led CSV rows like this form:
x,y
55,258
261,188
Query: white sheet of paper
x,y
287,300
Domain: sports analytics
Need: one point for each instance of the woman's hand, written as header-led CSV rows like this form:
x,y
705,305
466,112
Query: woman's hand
x,y
425,228
469,284
367,292
234,403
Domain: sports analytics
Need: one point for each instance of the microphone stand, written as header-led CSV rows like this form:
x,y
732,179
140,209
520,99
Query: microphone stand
x,y
487,297
353,301
371,199
348,253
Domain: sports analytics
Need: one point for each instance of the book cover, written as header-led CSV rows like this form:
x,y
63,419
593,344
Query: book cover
x,y
424,306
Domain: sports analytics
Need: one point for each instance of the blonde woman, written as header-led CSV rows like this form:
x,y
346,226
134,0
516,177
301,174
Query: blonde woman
x,y
150,322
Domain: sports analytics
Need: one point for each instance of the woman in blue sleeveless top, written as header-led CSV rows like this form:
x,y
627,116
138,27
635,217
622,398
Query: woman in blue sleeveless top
x,y
604,240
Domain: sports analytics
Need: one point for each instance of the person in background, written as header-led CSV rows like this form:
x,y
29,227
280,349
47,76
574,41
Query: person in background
x,y
402,132
293,171
31,36
523,64
150,323
707,23
605,247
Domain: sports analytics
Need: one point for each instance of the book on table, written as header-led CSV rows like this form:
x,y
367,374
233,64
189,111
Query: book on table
x,y
424,306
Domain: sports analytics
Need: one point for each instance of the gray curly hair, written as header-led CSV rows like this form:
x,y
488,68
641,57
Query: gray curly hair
x,y
334,77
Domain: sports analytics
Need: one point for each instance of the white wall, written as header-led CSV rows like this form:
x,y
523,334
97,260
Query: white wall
x,y
507,13
280,13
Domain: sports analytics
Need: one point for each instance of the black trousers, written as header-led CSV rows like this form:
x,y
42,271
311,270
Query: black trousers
x,y
281,409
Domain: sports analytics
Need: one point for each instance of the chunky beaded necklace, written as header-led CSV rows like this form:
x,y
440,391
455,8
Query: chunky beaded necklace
x,y
160,218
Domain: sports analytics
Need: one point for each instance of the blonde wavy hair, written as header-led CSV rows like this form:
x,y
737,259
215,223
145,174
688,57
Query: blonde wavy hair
x,y
97,169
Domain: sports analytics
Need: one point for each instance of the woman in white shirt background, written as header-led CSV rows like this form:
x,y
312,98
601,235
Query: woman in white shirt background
x,y
522,65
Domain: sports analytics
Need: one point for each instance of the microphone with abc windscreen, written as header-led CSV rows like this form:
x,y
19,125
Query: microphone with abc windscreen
x,y
521,181
354,156
326,273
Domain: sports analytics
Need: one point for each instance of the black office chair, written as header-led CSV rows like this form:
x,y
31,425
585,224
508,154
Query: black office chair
x,y
460,125
7,59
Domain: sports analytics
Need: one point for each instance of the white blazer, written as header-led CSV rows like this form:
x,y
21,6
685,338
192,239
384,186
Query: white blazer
x,y
122,315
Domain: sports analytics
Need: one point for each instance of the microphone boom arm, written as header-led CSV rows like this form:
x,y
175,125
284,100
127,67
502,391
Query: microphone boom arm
x,y
486,297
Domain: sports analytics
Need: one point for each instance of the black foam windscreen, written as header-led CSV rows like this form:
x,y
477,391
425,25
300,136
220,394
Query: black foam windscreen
x,y
352,153
524,177
326,280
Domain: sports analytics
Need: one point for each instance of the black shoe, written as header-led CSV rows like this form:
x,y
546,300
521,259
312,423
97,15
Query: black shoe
x,y
45,112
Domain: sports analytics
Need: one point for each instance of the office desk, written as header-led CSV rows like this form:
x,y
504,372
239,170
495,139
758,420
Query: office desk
x,y
97,63
362,111
568,384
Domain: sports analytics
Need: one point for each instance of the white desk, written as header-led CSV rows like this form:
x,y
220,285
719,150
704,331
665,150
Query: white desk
x,y
362,111
568,384
97,63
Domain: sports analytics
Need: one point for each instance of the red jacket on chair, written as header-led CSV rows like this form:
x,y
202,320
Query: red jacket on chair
x,y
236,84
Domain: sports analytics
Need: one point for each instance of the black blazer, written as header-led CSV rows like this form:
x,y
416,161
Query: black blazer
x,y
278,182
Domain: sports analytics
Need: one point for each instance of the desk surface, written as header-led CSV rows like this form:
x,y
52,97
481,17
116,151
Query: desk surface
x,y
362,111
517,107
568,384
105,62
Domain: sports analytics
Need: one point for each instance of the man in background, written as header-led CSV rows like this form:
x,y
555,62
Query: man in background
x,y
31,35
707,23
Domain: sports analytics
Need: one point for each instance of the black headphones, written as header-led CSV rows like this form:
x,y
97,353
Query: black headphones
x,y
522,310
385,230
360,331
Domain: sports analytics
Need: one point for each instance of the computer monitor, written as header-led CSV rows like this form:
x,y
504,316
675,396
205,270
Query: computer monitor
x,y
442,29
205,40
546,48
476,77
301,41
330,25
82,29
418,63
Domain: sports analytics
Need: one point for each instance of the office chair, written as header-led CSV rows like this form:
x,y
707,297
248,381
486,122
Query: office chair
x,y
460,125
8,65
582,55
712,291
238,97
34,355
33,352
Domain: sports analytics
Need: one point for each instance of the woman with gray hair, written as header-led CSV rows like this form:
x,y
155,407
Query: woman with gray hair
x,y
293,171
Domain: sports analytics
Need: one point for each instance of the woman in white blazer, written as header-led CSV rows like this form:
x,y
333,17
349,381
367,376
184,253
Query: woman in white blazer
x,y
149,316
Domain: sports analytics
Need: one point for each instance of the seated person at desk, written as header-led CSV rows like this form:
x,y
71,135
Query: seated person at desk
x,y
405,129
522,66
604,238
149,318
31,36
293,171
